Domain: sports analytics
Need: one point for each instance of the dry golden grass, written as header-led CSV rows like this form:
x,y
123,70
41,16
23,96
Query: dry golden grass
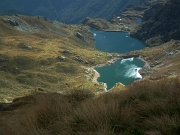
x,y
31,60
143,108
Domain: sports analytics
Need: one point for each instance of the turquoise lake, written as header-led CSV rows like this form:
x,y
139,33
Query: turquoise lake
x,y
124,71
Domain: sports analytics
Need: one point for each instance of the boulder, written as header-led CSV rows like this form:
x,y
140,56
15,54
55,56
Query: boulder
x,y
62,58
79,35
24,46
67,52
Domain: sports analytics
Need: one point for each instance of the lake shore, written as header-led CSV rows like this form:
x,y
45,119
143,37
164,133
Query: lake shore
x,y
147,65
96,75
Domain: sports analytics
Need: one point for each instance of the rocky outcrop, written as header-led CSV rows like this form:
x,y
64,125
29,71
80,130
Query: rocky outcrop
x,y
96,24
160,23
79,35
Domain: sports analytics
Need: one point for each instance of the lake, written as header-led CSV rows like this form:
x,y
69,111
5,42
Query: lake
x,y
116,42
124,71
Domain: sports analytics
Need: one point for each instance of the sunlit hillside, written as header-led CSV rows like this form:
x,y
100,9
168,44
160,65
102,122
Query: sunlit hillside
x,y
39,55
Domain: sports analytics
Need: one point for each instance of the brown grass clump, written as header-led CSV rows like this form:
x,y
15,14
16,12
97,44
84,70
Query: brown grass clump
x,y
144,108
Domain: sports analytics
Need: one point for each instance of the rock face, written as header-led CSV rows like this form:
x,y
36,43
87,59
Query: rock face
x,y
160,23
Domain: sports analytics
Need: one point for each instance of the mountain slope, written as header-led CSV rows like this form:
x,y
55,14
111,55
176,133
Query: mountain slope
x,y
37,54
160,23
95,9
71,11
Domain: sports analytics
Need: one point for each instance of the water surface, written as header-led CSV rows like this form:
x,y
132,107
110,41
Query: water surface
x,y
116,42
124,71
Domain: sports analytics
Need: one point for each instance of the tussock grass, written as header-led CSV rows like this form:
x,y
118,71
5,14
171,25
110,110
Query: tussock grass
x,y
144,108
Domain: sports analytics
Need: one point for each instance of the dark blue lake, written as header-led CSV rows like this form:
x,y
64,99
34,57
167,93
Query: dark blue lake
x,y
116,42
124,71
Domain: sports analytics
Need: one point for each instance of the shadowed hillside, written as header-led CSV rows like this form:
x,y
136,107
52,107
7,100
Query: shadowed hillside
x,y
70,11
160,23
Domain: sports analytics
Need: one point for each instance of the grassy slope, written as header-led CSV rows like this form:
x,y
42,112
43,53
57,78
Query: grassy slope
x,y
144,108
30,61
